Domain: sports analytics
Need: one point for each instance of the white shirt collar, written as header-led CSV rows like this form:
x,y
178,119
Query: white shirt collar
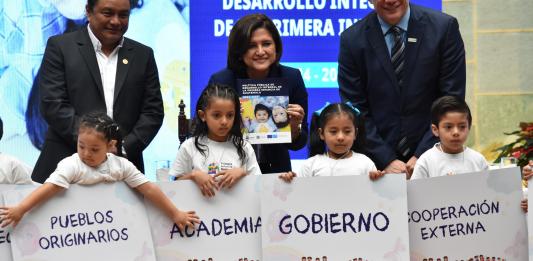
x,y
97,44
403,23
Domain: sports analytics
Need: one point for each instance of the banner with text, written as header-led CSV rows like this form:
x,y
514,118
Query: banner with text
x,y
230,227
5,237
357,217
468,216
5,233
100,222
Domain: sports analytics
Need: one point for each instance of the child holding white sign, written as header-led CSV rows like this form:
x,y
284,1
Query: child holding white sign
x,y
92,164
450,122
216,156
12,170
334,147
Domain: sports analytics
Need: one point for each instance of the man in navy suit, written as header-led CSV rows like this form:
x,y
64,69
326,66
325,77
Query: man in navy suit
x,y
396,105
97,68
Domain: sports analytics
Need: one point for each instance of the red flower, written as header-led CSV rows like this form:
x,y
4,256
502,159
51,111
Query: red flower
x,y
525,126
521,148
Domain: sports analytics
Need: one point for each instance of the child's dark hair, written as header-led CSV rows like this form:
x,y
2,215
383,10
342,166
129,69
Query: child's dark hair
x,y
318,146
447,104
262,107
1,128
200,128
102,123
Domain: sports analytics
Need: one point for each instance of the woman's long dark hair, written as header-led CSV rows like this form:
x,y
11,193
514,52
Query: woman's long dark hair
x,y
200,128
317,145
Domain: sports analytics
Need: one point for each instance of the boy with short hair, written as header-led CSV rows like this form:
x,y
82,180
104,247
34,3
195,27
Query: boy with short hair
x,y
450,122
12,170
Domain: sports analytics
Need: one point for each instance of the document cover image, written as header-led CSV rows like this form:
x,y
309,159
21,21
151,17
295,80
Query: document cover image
x,y
264,110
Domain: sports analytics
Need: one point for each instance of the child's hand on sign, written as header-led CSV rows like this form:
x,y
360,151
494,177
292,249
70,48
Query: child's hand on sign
x,y
10,215
527,171
184,219
228,178
205,182
287,176
376,174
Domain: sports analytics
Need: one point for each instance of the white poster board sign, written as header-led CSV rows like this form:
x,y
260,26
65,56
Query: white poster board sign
x,y
5,233
335,218
464,217
5,238
99,222
230,227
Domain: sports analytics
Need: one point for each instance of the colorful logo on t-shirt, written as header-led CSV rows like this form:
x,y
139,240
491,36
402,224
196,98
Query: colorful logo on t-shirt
x,y
212,169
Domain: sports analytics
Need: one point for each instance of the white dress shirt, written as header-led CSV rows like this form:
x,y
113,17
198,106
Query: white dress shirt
x,y
108,70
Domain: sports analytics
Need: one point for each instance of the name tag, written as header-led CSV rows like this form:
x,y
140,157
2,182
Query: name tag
x,y
411,40
225,165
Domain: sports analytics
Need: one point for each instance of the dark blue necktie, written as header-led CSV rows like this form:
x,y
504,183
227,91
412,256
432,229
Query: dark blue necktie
x,y
398,53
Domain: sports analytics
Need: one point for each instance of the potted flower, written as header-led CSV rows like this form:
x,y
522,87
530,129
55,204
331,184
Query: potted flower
x,y
521,148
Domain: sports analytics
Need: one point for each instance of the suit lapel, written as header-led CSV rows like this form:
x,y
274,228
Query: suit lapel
x,y
125,59
414,31
87,52
377,41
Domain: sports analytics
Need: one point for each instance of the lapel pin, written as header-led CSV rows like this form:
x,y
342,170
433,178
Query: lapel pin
x,y
411,40
125,61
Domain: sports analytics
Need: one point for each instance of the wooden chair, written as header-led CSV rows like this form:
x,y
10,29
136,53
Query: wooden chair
x,y
184,124
183,134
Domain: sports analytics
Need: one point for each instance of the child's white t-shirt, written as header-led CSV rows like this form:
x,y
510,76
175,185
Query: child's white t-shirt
x,y
72,170
322,165
436,163
14,171
218,156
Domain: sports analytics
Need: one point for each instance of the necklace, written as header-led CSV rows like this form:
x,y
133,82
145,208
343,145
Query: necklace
x,y
460,159
336,160
341,156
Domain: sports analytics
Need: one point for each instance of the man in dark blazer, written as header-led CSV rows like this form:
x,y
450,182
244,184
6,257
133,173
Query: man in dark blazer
x,y
397,106
96,68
